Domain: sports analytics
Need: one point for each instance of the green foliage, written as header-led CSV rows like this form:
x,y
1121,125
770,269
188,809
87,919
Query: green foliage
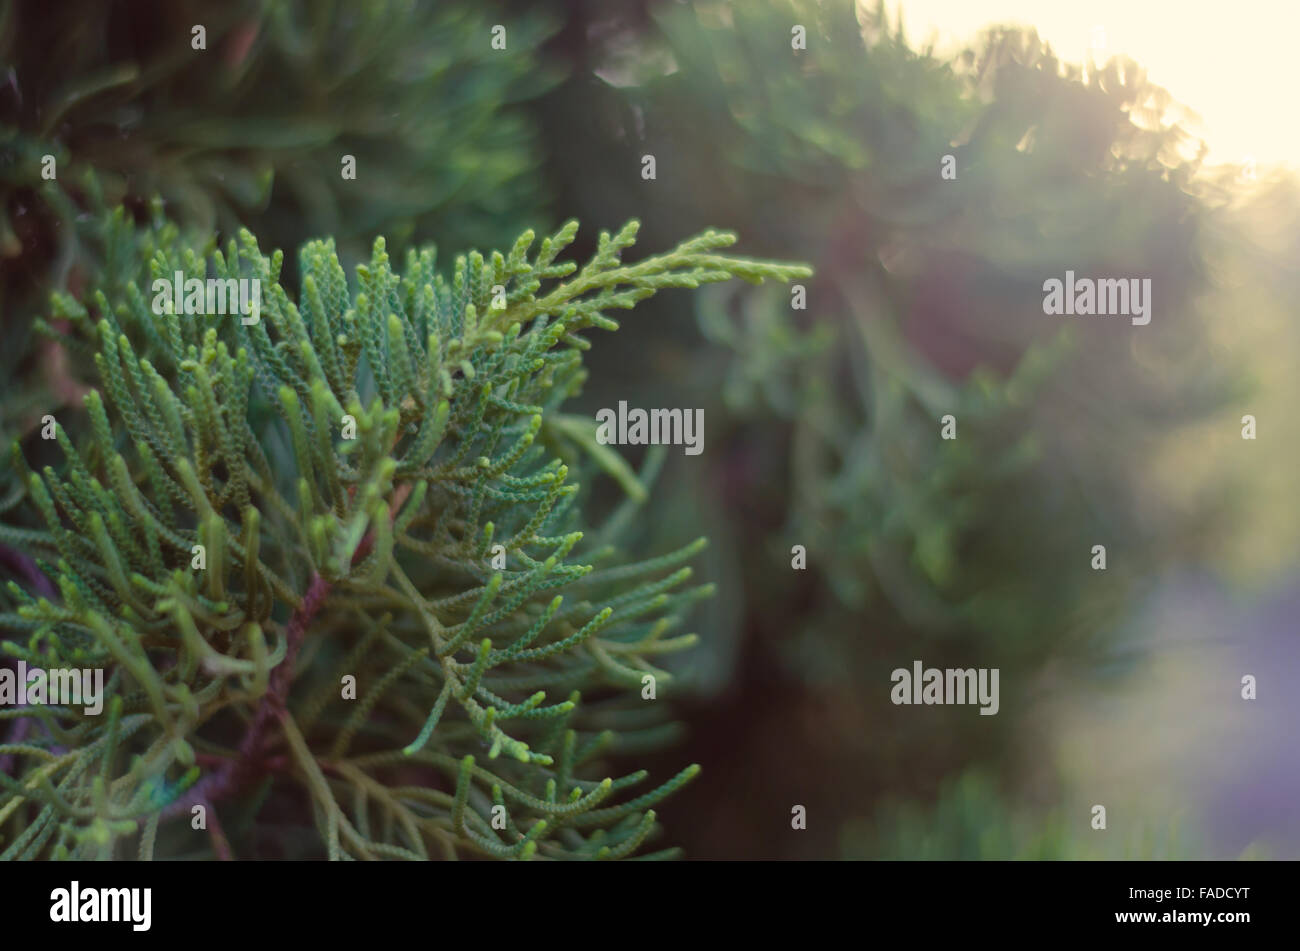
x,y
926,303
249,132
973,821
329,554
930,292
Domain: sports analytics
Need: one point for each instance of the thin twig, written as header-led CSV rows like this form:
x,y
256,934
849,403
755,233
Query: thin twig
x,y
232,775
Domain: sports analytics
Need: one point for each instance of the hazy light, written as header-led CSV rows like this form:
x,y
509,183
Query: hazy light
x,y
1233,64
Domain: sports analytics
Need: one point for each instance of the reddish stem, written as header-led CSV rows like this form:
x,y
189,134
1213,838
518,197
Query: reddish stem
x,y
234,773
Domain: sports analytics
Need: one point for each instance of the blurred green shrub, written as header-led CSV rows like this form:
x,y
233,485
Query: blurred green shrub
x,y
973,821
825,423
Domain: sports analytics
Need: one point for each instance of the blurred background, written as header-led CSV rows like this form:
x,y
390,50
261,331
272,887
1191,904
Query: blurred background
x,y
1115,140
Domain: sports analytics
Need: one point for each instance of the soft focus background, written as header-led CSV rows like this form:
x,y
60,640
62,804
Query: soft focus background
x,y
1119,687
1112,139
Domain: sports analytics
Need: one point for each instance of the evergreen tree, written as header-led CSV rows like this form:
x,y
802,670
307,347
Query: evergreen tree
x,y
335,563
926,305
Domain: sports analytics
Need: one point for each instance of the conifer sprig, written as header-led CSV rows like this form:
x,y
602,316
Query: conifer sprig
x,y
362,487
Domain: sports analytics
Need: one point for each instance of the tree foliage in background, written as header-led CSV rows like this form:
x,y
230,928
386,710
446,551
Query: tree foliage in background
x,y
971,819
232,554
927,302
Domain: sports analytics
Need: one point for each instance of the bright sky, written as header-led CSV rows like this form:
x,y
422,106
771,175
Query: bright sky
x,y
1233,63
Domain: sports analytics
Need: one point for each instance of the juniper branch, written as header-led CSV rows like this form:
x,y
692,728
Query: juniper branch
x,y
344,466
